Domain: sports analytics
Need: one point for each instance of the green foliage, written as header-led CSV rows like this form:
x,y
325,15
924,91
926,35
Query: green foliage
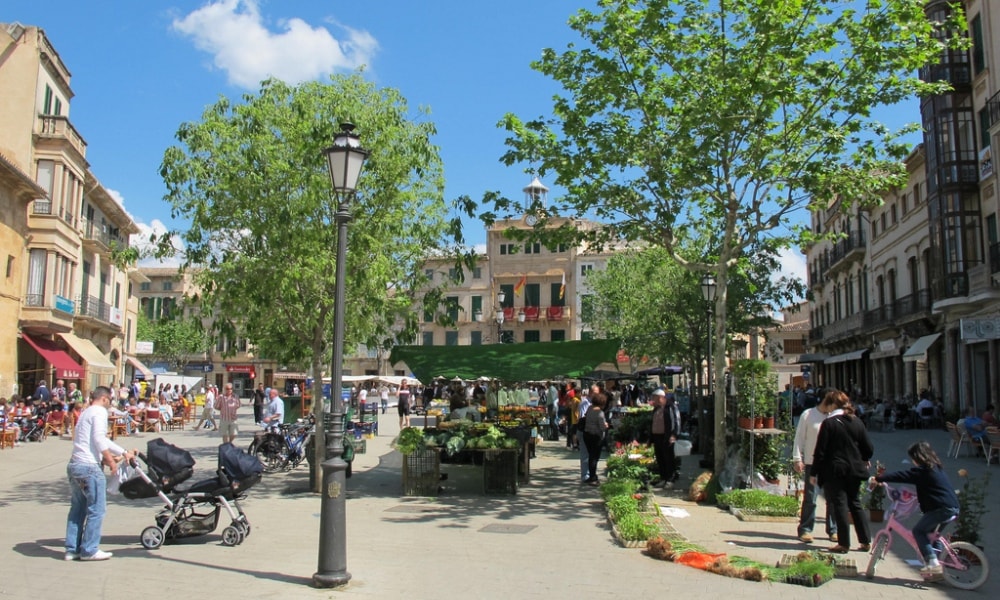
x,y
634,526
759,502
619,487
175,339
410,440
252,182
972,506
623,468
634,425
621,505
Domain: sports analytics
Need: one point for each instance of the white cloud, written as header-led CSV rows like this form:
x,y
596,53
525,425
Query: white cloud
x,y
141,241
243,46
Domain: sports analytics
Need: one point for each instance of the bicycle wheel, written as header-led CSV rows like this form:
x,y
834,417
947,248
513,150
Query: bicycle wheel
x,y
878,553
271,454
972,569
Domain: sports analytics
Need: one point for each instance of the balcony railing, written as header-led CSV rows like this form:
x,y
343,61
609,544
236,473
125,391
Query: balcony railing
x,y
34,300
846,247
53,126
844,327
816,334
89,306
41,207
917,303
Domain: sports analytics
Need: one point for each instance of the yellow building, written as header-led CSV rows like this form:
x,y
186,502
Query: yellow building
x,y
73,319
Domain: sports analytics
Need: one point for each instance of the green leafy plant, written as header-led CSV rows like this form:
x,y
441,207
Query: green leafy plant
x,y
874,498
760,502
971,506
618,487
410,440
620,506
633,526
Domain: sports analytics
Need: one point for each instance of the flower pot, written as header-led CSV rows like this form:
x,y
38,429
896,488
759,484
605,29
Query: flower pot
x,y
876,515
768,422
745,423
758,423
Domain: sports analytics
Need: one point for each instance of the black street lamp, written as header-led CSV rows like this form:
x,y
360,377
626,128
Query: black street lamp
x,y
499,316
708,293
345,157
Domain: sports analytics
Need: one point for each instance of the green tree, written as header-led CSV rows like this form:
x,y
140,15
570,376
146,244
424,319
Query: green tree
x,y
251,179
175,339
719,120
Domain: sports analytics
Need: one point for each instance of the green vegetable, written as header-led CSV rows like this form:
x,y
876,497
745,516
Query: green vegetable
x,y
410,440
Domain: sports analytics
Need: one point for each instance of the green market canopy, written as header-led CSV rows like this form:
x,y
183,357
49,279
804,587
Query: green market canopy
x,y
533,361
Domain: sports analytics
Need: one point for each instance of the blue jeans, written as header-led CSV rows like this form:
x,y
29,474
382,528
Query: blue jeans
x,y
927,524
808,518
86,509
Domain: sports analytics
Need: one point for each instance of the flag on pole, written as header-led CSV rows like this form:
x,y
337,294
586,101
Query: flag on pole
x,y
562,286
520,285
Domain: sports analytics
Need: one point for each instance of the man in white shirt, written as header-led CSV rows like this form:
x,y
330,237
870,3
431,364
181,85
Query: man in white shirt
x,y
802,456
208,413
274,412
91,449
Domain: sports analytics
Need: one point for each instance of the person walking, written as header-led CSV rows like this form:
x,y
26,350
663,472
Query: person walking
x,y
582,408
552,403
840,464
803,448
593,427
403,404
666,426
208,412
228,404
92,450
383,396
259,399
274,411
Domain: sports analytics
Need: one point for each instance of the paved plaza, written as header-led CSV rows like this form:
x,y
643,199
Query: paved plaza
x,y
551,540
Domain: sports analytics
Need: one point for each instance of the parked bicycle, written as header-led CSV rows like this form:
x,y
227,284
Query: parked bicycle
x,y
282,447
964,565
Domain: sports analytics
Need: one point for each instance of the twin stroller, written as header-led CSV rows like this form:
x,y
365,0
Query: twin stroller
x,y
193,510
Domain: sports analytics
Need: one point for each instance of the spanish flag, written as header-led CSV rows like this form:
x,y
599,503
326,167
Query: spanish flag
x,y
562,286
520,285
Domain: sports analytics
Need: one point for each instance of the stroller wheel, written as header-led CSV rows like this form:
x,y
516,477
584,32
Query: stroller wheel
x,y
231,536
244,528
151,538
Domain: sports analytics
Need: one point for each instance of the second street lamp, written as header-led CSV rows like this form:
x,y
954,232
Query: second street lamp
x,y
345,158
500,316
708,293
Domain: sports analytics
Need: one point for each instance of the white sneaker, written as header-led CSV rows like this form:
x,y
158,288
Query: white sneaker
x,y
99,555
71,556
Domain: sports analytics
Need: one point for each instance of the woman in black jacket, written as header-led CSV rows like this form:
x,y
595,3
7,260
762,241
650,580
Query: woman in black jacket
x,y
840,464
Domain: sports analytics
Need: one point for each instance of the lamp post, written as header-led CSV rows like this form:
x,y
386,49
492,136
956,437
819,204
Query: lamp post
x,y
708,293
499,316
345,159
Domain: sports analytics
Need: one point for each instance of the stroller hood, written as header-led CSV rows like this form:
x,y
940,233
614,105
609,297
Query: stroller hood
x,y
237,464
166,459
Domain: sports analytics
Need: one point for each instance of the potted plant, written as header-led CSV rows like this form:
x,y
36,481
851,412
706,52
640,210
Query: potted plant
x,y
875,498
971,506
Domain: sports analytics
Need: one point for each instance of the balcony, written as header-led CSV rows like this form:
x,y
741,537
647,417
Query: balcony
x,y
98,239
844,328
913,305
39,312
59,129
98,312
815,335
844,250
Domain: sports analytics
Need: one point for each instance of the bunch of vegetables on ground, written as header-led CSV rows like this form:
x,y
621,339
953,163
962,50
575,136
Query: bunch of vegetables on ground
x,y
454,436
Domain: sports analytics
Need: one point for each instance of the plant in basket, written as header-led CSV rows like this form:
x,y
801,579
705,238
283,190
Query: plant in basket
x,y
971,506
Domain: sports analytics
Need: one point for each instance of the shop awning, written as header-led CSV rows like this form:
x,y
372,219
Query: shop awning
x,y
139,366
805,359
61,361
918,351
533,361
845,357
97,363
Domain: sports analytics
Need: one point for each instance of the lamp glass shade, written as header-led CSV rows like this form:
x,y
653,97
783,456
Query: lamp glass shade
x,y
520,317
708,288
501,297
499,317
345,158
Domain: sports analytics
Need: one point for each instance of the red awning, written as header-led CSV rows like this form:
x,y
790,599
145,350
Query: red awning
x,y
65,366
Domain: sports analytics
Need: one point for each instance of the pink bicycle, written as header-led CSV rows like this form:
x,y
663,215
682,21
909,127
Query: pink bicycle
x,y
963,564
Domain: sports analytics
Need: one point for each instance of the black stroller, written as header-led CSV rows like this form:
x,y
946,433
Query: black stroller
x,y
193,510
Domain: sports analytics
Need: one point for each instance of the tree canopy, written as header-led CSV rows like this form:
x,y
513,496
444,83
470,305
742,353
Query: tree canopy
x,y
716,122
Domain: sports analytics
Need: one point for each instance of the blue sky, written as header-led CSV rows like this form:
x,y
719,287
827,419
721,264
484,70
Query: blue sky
x,y
141,68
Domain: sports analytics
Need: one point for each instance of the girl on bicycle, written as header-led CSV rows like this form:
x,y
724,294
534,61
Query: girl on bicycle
x,y
935,495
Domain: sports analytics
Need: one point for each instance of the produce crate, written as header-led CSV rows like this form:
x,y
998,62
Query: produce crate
x,y
421,472
500,471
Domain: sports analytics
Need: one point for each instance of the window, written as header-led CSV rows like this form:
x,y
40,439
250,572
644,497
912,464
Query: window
x,y
916,194
795,346
532,294
508,295
428,316
429,274
477,306
532,248
452,273
10,266
984,128
168,286
476,338
144,286
978,51
991,228
36,277
557,335
903,203
557,299
895,218
47,102
428,338
532,335
477,272
452,303
451,338
586,268
884,222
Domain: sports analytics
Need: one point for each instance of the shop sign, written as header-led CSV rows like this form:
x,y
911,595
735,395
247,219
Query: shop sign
x,y
980,328
64,304
239,368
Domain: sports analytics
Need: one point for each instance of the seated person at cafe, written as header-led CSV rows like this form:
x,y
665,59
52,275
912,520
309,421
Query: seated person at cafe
x,y
460,410
973,424
989,416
